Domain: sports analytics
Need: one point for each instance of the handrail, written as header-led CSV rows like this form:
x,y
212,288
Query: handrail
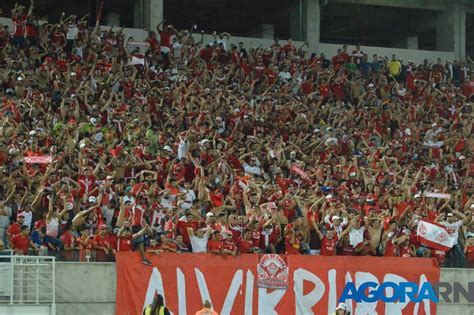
x,y
27,280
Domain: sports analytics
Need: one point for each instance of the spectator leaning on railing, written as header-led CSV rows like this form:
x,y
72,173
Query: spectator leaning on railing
x,y
227,149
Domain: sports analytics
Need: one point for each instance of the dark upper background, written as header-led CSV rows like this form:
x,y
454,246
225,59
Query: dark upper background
x,y
340,23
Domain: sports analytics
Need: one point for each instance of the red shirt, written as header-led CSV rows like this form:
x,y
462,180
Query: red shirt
x,y
183,230
165,38
101,241
469,253
390,250
328,247
324,90
338,90
19,24
244,246
137,215
21,242
68,239
405,251
14,229
228,245
440,255
124,244
347,250
213,245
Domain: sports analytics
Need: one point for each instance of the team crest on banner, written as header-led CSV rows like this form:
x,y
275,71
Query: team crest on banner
x,y
272,272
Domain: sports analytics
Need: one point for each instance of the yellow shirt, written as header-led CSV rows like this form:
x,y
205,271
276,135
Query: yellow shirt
x,y
394,67
147,311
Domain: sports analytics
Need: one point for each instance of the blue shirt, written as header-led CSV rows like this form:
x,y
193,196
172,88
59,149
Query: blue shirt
x,y
36,238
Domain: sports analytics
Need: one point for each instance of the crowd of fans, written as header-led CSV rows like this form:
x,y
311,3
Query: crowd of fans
x,y
211,147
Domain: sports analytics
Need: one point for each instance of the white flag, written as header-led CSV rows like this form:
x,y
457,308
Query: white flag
x,y
434,235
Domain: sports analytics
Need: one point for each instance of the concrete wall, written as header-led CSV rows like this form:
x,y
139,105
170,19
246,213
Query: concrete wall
x,y
90,289
328,49
85,288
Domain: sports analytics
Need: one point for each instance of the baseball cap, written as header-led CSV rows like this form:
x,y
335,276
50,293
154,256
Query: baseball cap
x,y
167,148
209,214
335,217
92,199
450,215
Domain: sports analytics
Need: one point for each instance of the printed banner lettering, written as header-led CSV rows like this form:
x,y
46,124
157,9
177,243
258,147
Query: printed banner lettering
x,y
38,159
233,285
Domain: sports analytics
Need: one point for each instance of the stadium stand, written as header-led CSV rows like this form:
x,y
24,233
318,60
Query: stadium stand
x,y
187,146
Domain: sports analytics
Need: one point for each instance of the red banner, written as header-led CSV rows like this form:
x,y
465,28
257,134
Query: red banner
x,y
315,283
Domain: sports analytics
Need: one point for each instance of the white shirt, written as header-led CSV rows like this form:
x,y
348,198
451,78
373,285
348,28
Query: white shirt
x,y
177,49
356,236
52,228
254,170
222,41
284,75
72,31
198,244
182,149
28,217
167,202
453,230
190,194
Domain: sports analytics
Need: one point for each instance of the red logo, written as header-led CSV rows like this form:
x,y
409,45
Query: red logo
x,y
442,236
422,229
272,272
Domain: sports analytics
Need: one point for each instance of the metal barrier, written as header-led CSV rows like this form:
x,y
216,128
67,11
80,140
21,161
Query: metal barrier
x,y
27,281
